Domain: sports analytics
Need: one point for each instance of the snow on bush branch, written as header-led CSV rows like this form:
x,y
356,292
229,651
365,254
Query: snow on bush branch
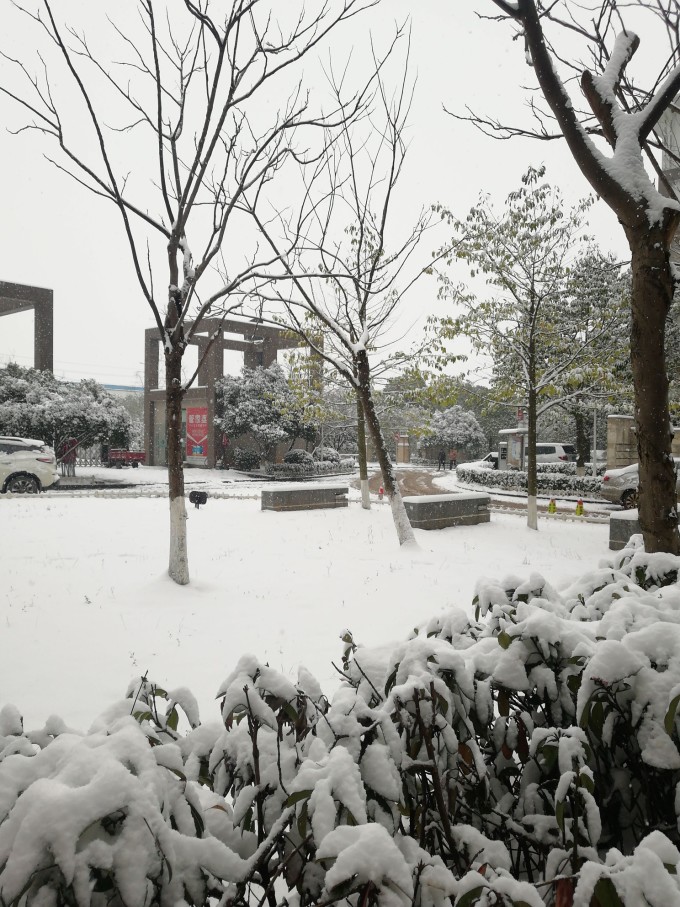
x,y
528,752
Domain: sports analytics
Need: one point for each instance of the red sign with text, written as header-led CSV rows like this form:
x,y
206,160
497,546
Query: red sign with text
x,y
197,431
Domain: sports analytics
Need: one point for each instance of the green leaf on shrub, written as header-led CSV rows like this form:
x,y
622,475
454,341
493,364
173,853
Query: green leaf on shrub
x,y
549,753
587,782
597,719
390,682
343,889
172,719
504,703
302,822
574,683
559,814
297,796
290,711
606,893
470,897
142,716
504,639
669,720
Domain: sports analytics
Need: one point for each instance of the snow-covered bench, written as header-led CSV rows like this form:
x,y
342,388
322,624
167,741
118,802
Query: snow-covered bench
x,y
437,511
305,497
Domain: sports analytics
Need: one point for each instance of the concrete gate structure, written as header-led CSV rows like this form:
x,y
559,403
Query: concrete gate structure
x,y
18,297
260,345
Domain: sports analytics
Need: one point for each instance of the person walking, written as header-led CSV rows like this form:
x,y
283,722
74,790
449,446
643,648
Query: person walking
x,y
442,460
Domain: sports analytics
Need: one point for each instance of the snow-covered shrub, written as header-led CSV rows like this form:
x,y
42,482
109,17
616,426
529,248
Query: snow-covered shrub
x,y
303,457
514,480
326,454
245,459
300,470
529,755
569,468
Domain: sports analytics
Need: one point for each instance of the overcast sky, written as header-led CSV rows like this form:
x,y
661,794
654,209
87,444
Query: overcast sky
x,y
55,234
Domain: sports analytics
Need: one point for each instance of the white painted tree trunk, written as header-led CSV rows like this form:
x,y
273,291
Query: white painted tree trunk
x,y
532,512
365,495
401,520
179,559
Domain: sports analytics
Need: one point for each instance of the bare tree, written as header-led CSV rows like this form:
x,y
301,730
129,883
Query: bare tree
x,y
628,118
208,111
347,263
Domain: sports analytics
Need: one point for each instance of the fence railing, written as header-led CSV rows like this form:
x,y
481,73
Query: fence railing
x,y
89,456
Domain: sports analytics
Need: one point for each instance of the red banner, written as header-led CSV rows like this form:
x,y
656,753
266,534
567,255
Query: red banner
x,y
197,431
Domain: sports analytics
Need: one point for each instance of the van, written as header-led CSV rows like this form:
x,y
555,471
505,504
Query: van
x,y
555,452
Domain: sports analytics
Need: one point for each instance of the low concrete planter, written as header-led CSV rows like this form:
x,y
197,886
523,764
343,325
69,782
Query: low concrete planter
x,y
621,527
437,511
304,497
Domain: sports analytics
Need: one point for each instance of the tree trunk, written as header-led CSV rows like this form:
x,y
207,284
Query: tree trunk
x,y
581,424
179,561
532,507
651,296
401,521
363,464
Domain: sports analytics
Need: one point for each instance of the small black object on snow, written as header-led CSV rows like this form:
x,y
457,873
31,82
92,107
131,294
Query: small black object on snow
x,y
198,497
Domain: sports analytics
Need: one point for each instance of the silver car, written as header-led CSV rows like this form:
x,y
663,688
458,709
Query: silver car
x,y
620,486
27,466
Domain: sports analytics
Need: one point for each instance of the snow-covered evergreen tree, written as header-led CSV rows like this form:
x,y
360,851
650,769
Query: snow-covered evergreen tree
x,y
261,403
35,404
456,428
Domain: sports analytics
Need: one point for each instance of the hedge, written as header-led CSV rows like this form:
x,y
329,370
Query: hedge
x,y
303,470
514,480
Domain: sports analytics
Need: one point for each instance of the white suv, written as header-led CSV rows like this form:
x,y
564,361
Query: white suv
x,y
555,452
27,466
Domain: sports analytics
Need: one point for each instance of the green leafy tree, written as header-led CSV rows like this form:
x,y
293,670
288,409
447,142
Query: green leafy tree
x,y
625,144
529,324
597,295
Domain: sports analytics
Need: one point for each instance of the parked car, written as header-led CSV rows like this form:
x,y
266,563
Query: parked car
x,y
491,459
555,452
27,466
620,486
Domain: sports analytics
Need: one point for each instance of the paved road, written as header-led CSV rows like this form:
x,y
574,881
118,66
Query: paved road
x,y
411,482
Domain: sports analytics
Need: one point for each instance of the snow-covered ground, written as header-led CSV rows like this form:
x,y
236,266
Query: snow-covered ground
x,y
85,603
